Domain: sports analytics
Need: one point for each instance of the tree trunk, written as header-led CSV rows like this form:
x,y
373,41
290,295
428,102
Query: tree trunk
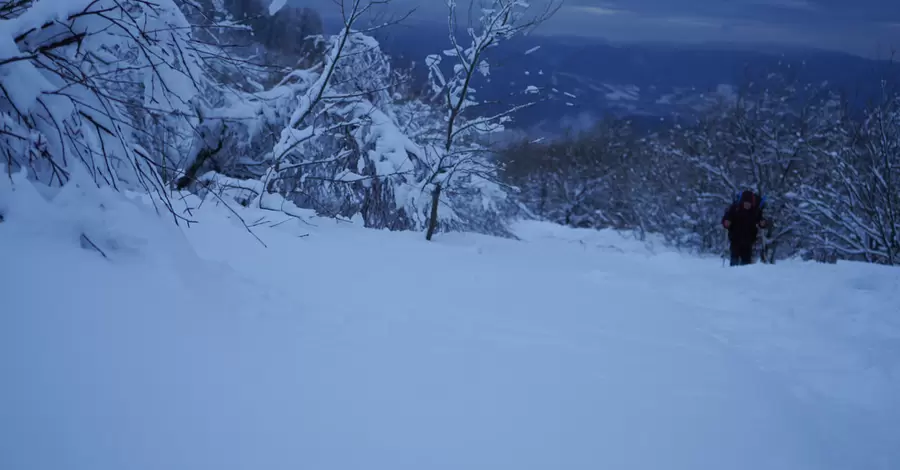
x,y
432,222
190,174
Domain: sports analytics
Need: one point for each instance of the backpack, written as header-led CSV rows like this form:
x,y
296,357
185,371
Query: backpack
x,y
759,203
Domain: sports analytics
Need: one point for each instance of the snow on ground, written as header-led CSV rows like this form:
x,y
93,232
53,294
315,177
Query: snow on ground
x,y
343,348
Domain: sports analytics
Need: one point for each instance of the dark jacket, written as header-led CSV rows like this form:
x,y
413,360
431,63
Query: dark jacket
x,y
743,224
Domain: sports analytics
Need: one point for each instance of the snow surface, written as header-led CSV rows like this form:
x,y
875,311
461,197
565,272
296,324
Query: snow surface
x,y
344,348
276,6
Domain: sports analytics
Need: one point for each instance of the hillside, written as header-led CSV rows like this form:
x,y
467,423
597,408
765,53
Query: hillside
x,y
222,247
128,343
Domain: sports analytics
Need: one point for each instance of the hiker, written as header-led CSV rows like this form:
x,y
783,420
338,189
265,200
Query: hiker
x,y
742,220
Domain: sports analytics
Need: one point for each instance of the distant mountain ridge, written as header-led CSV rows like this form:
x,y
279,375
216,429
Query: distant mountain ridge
x,y
648,82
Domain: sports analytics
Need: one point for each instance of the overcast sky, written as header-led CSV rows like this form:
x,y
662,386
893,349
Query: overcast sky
x,y
865,27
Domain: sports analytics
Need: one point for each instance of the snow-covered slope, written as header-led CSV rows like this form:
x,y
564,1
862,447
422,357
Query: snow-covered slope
x,y
343,348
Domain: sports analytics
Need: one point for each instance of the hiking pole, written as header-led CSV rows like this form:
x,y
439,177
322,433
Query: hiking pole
x,y
725,249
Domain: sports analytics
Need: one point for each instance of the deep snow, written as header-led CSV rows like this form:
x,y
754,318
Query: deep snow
x,y
343,348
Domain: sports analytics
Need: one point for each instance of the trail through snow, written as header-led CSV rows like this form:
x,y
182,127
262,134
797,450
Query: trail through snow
x,y
343,348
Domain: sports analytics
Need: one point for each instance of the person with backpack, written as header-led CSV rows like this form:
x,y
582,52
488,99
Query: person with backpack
x,y
743,219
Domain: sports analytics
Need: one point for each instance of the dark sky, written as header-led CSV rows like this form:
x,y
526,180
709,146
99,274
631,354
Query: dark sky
x,y
864,27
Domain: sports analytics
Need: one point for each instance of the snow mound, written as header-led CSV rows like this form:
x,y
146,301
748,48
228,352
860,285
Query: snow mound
x,y
606,241
119,347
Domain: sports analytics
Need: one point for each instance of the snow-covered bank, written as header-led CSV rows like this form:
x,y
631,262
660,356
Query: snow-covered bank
x,y
343,348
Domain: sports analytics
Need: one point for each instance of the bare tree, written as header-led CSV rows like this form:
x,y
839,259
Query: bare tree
x,y
582,181
458,153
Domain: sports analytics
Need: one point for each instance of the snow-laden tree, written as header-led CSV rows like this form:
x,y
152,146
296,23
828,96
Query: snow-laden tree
x,y
853,206
240,117
273,35
457,158
159,95
106,88
349,140
762,142
830,176
328,137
